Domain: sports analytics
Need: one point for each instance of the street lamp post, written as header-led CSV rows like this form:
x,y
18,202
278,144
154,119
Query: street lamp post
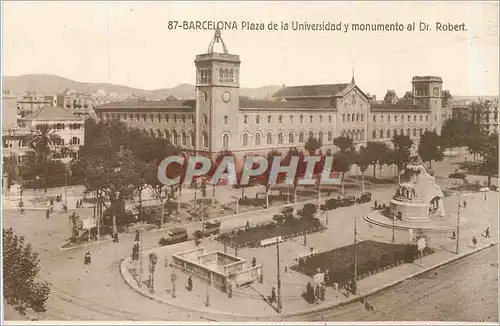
x,y
458,222
393,231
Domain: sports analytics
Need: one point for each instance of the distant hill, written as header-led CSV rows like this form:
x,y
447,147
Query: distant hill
x,y
52,84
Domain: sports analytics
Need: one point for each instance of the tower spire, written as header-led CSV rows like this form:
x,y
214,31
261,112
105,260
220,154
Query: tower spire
x,y
217,38
352,80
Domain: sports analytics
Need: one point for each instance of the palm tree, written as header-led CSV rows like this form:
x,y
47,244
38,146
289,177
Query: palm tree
x,y
41,140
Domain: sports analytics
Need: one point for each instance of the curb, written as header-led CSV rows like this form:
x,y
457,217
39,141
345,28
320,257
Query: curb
x,y
384,287
308,311
438,230
83,245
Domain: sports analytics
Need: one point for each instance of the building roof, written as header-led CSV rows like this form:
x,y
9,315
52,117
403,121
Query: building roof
x,y
312,90
284,105
403,105
148,105
51,113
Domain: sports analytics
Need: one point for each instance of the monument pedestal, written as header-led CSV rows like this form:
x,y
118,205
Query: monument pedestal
x,y
410,211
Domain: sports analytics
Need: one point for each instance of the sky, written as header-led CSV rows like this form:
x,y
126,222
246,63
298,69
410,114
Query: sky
x,y
130,43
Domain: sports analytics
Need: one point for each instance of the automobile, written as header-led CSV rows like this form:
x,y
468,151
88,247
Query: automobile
x,y
458,175
494,188
365,197
338,202
211,227
174,235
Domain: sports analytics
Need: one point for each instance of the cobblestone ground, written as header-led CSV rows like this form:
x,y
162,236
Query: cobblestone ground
x,y
101,293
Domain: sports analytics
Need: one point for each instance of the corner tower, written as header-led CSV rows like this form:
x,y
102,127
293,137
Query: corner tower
x,y
217,98
427,92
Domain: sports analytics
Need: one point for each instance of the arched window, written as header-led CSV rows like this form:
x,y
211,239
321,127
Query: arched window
x,y
310,118
269,140
402,132
301,137
320,136
302,118
245,119
381,133
176,137
280,119
167,135
408,119
205,139
374,134
205,96
245,140
414,118
205,119
257,139
221,74
388,133
426,118
144,117
361,117
231,75
414,132
166,117
353,117
160,135
357,117
280,138
421,132
329,136
137,116
257,119
183,117
152,117
159,117
343,117
183,138
290,138
311,134
193,139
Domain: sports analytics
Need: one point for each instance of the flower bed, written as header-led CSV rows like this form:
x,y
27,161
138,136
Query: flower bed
x,y
373,257
254,235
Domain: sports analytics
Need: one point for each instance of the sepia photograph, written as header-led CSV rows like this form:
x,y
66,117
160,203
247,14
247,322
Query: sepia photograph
x,y
250,162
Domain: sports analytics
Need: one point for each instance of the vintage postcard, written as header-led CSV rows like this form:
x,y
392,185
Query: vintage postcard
x,y
250,162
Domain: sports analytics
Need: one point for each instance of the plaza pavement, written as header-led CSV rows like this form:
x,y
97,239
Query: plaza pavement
x,y
249,303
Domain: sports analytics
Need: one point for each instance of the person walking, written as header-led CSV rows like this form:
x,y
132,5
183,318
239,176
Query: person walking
x,y
254,262
465,204
47,213
487,232
273,295
474,241
454,235
190,283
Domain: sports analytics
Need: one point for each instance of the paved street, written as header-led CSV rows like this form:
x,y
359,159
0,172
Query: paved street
x,y
465,291
102,294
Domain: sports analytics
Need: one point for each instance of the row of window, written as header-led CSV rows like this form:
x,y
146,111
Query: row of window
x,y
358,134
352,117
152,117
388,134
408,118
62,126
280,119
280,138
225,75
24,142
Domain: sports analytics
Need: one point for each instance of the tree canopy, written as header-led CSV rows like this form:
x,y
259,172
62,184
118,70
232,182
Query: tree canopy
x,y
429,147
20,270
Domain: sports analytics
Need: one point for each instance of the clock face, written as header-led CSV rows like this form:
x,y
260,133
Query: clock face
x,y
226,96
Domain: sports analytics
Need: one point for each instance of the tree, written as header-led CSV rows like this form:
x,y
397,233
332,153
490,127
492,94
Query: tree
x,y
476,139
344,143
342,163
10,166
376,151
429,148
312,145
20,269
265,179
453,133
41,141
218,160
401,153
76,226
363,160
490,156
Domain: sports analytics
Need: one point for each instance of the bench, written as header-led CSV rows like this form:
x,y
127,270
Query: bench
x,y
270,241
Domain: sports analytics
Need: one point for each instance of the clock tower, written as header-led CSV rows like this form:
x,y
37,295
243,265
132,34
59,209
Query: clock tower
x,y
217,98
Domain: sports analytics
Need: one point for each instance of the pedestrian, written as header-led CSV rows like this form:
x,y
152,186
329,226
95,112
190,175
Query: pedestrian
x,y
64,208
254,262
88,258
322,293
77,204
474,241
317,293
247,226
309,293
465,204
47,213
81,202
453,235
273,295
487,232
190,283
115,238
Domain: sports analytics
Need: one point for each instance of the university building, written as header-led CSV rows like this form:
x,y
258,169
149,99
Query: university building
x,y
224,120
